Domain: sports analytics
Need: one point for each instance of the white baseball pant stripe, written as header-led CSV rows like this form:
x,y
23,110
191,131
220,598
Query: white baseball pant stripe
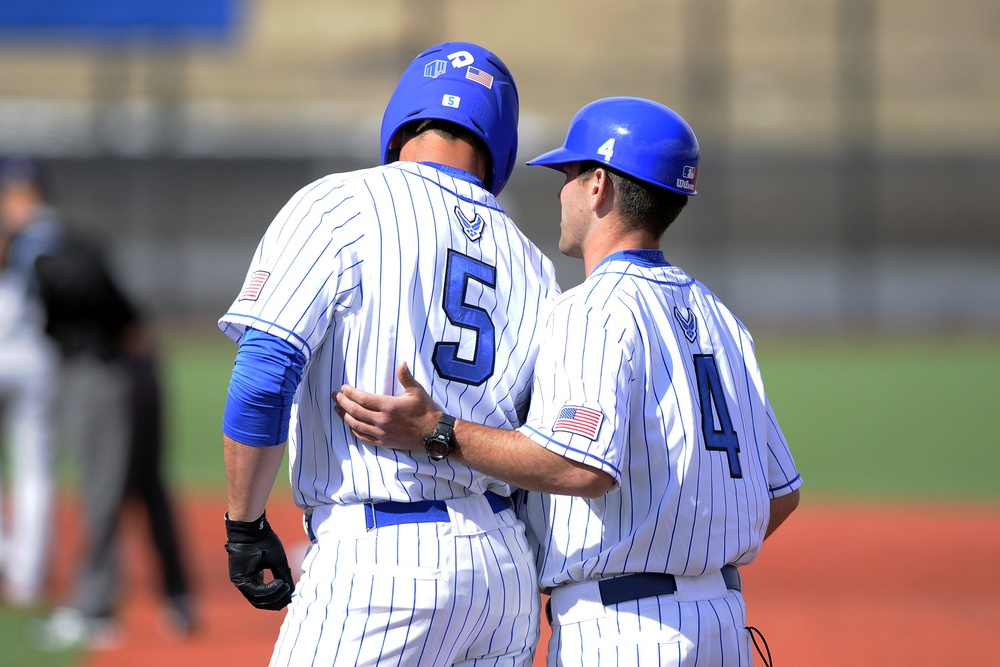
x,y
27,391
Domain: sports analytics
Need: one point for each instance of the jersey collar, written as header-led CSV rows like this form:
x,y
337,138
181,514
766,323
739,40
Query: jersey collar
x,y
641,257
456,173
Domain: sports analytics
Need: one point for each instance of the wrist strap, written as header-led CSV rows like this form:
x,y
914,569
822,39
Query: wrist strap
x,y
255,527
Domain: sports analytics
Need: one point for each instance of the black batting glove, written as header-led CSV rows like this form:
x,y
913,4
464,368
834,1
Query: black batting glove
x,y
253,547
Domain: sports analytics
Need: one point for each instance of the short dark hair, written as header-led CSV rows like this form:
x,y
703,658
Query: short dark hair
x,y
641,204
451,132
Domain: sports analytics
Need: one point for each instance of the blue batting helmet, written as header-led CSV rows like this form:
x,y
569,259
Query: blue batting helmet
x,y
467,85
22,170
638,137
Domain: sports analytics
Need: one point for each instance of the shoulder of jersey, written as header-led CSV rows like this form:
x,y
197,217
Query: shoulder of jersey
x,y
343,185
349,177
609,299
580,297
324,185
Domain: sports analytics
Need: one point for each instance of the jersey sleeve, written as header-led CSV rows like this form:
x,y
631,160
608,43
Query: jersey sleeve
x,y
782,475
579,405
306,268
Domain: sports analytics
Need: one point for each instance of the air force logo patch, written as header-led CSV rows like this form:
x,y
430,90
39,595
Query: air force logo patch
x,y
688,322
472,228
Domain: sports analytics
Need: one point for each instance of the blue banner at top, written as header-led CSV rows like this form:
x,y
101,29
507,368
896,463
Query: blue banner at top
x,y
114,19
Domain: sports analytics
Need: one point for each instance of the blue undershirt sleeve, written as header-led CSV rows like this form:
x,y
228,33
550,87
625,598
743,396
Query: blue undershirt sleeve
x,y
266,373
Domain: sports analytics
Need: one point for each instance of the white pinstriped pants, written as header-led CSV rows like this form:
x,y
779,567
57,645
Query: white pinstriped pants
x,y
28,379
421,594
656,632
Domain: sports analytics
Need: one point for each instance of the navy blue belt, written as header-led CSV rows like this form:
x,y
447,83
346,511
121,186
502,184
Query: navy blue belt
x,y
646,585
393,513
649,584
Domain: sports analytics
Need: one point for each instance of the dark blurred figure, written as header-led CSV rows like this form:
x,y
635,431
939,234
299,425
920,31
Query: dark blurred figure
x,y
144,482
110,403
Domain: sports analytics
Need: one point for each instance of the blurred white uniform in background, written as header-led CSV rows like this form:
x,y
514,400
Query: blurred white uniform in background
x,y
28,368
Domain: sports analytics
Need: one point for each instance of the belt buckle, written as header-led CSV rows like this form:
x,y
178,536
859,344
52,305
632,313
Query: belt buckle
x,y
371,522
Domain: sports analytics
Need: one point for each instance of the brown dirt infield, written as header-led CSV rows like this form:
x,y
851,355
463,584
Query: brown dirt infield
x,y
838,585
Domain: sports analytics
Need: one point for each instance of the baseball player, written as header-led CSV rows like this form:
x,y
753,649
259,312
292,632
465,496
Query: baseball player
x,y
661,464
415,559
28,367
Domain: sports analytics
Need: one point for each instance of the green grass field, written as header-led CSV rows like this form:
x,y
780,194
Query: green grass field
x,y
889,420
869,420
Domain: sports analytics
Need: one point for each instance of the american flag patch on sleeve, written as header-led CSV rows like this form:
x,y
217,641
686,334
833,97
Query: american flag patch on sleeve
x,y
255,283
582,421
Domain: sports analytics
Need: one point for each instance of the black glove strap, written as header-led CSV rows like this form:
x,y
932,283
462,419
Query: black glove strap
x,y
242,532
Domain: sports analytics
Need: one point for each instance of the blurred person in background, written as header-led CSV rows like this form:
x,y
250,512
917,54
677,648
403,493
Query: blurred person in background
x,y
109,404
28,366
144,482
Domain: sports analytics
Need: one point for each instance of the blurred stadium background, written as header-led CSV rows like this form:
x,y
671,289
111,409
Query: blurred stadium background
x,y
851,148
849,198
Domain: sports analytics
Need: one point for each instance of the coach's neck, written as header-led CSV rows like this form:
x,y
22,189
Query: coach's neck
x,y
432,147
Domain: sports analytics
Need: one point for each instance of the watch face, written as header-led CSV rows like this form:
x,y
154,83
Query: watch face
x,y
440,442
438,446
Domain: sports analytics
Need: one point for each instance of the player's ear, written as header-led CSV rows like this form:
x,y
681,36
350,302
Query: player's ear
x,y
600,190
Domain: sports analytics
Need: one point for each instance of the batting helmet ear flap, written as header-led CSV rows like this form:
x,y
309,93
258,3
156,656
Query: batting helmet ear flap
x,y
464,84
638,137
392,150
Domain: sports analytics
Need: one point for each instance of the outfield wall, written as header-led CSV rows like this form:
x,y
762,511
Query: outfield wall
x,y
767,232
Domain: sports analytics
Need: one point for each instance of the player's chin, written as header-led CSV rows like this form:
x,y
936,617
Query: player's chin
x,y
570,248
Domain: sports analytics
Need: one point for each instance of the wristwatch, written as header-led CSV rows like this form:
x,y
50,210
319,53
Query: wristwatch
x,y
440,442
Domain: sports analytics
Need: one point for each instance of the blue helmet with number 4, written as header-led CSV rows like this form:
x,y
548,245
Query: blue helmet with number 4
x,y
635,136
464,84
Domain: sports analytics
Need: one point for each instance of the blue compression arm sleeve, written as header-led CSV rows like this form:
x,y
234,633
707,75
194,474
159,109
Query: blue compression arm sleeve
x,y
265,375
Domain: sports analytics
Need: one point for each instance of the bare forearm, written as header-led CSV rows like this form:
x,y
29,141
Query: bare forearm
x,y
781,509
401,422
514,458
250,474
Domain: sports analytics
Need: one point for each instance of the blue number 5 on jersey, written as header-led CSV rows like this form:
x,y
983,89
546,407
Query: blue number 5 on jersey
x,y
461,269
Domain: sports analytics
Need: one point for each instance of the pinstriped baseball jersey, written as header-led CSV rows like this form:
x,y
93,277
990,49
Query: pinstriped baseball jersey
x,y
404,262
644,374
